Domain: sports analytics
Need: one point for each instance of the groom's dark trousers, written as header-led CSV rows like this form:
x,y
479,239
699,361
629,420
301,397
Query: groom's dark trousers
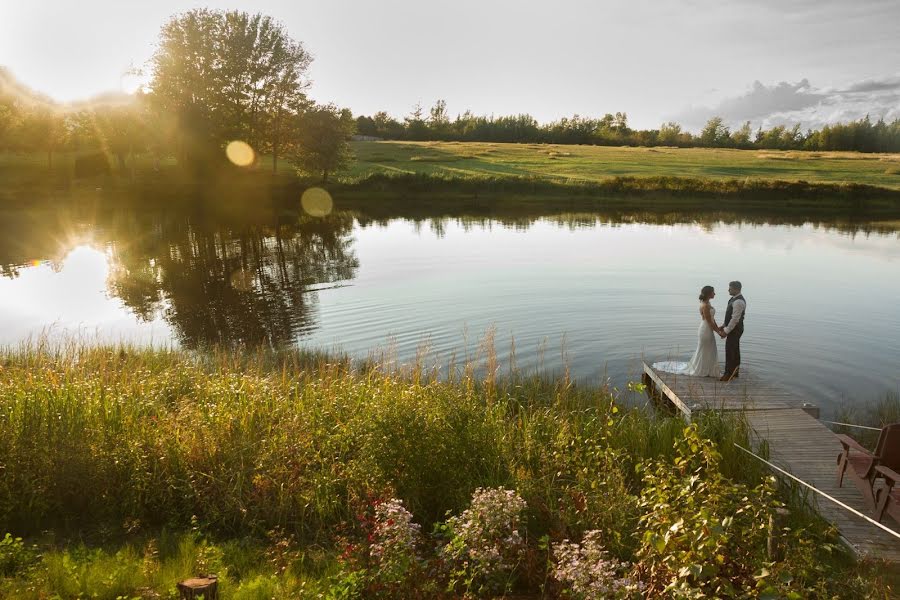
x,y
733,350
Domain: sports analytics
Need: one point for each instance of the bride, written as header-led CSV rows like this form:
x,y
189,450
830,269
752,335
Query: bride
x,y
705,362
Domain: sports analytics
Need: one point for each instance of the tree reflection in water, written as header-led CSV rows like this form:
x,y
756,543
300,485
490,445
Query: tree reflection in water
x,y
241,275
223,285
214,281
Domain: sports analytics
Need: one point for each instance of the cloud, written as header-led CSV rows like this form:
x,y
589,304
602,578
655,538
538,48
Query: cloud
x,y
787,103
874,85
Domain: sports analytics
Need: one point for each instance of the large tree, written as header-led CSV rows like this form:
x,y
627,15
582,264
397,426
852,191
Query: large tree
x,y
9,116
715,133
323,133
226,76
44,129
118,129
10,108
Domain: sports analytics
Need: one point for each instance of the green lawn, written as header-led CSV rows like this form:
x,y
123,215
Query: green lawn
x,y
595,163
557,163
590,176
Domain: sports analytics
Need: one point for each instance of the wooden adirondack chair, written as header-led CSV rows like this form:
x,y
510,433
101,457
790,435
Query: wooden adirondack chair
x,y
861,465
887,498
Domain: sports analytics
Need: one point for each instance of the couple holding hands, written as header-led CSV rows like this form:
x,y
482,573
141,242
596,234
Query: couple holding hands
x,y
705,362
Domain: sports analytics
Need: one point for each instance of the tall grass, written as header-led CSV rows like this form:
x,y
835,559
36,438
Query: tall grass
x,y
875,413
116,443
148,567
780,196
241,441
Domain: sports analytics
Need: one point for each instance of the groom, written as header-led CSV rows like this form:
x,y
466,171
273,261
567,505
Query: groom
x,y
732,330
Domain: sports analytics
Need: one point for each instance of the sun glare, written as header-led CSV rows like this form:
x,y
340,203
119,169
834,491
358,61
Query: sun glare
x,y
240,153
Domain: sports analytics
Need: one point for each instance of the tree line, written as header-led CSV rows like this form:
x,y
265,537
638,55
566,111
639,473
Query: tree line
x,y
217,76
862,135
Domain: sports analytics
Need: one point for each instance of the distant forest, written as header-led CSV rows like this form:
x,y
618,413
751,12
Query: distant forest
x,y
613,130
219,76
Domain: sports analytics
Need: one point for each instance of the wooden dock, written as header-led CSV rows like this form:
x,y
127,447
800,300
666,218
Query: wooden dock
x,y
798,443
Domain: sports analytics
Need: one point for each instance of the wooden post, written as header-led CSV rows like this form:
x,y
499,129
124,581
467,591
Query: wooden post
x,y
648,385
811,409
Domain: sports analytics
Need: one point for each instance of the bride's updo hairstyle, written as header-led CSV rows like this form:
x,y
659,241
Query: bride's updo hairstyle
x,y
706,292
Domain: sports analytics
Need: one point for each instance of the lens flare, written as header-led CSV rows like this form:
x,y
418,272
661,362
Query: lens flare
x,y
240,153
316,202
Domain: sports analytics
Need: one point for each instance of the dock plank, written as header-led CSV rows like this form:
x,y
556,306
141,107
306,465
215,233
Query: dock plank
x,y
798,443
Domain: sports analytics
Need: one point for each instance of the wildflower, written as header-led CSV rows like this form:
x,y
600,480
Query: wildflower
x,y
587,570
488,532
393,539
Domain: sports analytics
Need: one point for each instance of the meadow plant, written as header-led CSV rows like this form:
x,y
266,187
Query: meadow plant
x,y
587,571
115,444
381,557
487,544
282,551
15,555
395,537
702,534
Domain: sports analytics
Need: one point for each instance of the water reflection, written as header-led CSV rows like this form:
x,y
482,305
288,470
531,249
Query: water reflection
x,y
219,276
212,282
234,286
708,222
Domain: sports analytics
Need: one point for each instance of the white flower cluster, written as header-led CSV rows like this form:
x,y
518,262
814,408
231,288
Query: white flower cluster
x,y
588,571
489,529
395,535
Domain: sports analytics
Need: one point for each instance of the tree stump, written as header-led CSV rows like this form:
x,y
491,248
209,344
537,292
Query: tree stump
x,y
195,587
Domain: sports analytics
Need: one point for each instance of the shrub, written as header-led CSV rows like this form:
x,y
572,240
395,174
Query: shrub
x,y
15,556
486,542
394,541
703,534
587,572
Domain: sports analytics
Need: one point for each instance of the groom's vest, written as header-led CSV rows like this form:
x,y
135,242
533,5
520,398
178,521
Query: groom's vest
x,y
739,326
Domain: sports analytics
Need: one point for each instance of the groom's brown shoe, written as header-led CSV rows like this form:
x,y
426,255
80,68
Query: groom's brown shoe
x,y
733,375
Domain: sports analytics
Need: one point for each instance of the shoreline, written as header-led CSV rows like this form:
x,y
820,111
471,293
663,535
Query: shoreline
x,y
633,192
419,191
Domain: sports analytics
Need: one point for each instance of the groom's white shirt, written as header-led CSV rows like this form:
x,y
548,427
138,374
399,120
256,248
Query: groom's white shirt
x,y
737,311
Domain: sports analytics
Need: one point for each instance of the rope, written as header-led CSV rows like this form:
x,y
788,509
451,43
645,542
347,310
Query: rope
x,y
818,491
852,425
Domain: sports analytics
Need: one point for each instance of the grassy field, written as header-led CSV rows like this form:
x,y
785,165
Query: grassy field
x,y
293,475
596,163
444,176
584,164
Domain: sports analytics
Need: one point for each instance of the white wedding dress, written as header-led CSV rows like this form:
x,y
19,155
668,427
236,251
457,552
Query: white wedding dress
x,y
705,362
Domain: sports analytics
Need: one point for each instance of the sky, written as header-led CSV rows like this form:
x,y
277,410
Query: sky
x,y
767,61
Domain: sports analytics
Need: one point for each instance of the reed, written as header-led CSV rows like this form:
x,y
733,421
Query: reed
x,y
646,191
116,444
876,413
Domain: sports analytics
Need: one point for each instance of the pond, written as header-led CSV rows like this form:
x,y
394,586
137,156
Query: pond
x,y
589,292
